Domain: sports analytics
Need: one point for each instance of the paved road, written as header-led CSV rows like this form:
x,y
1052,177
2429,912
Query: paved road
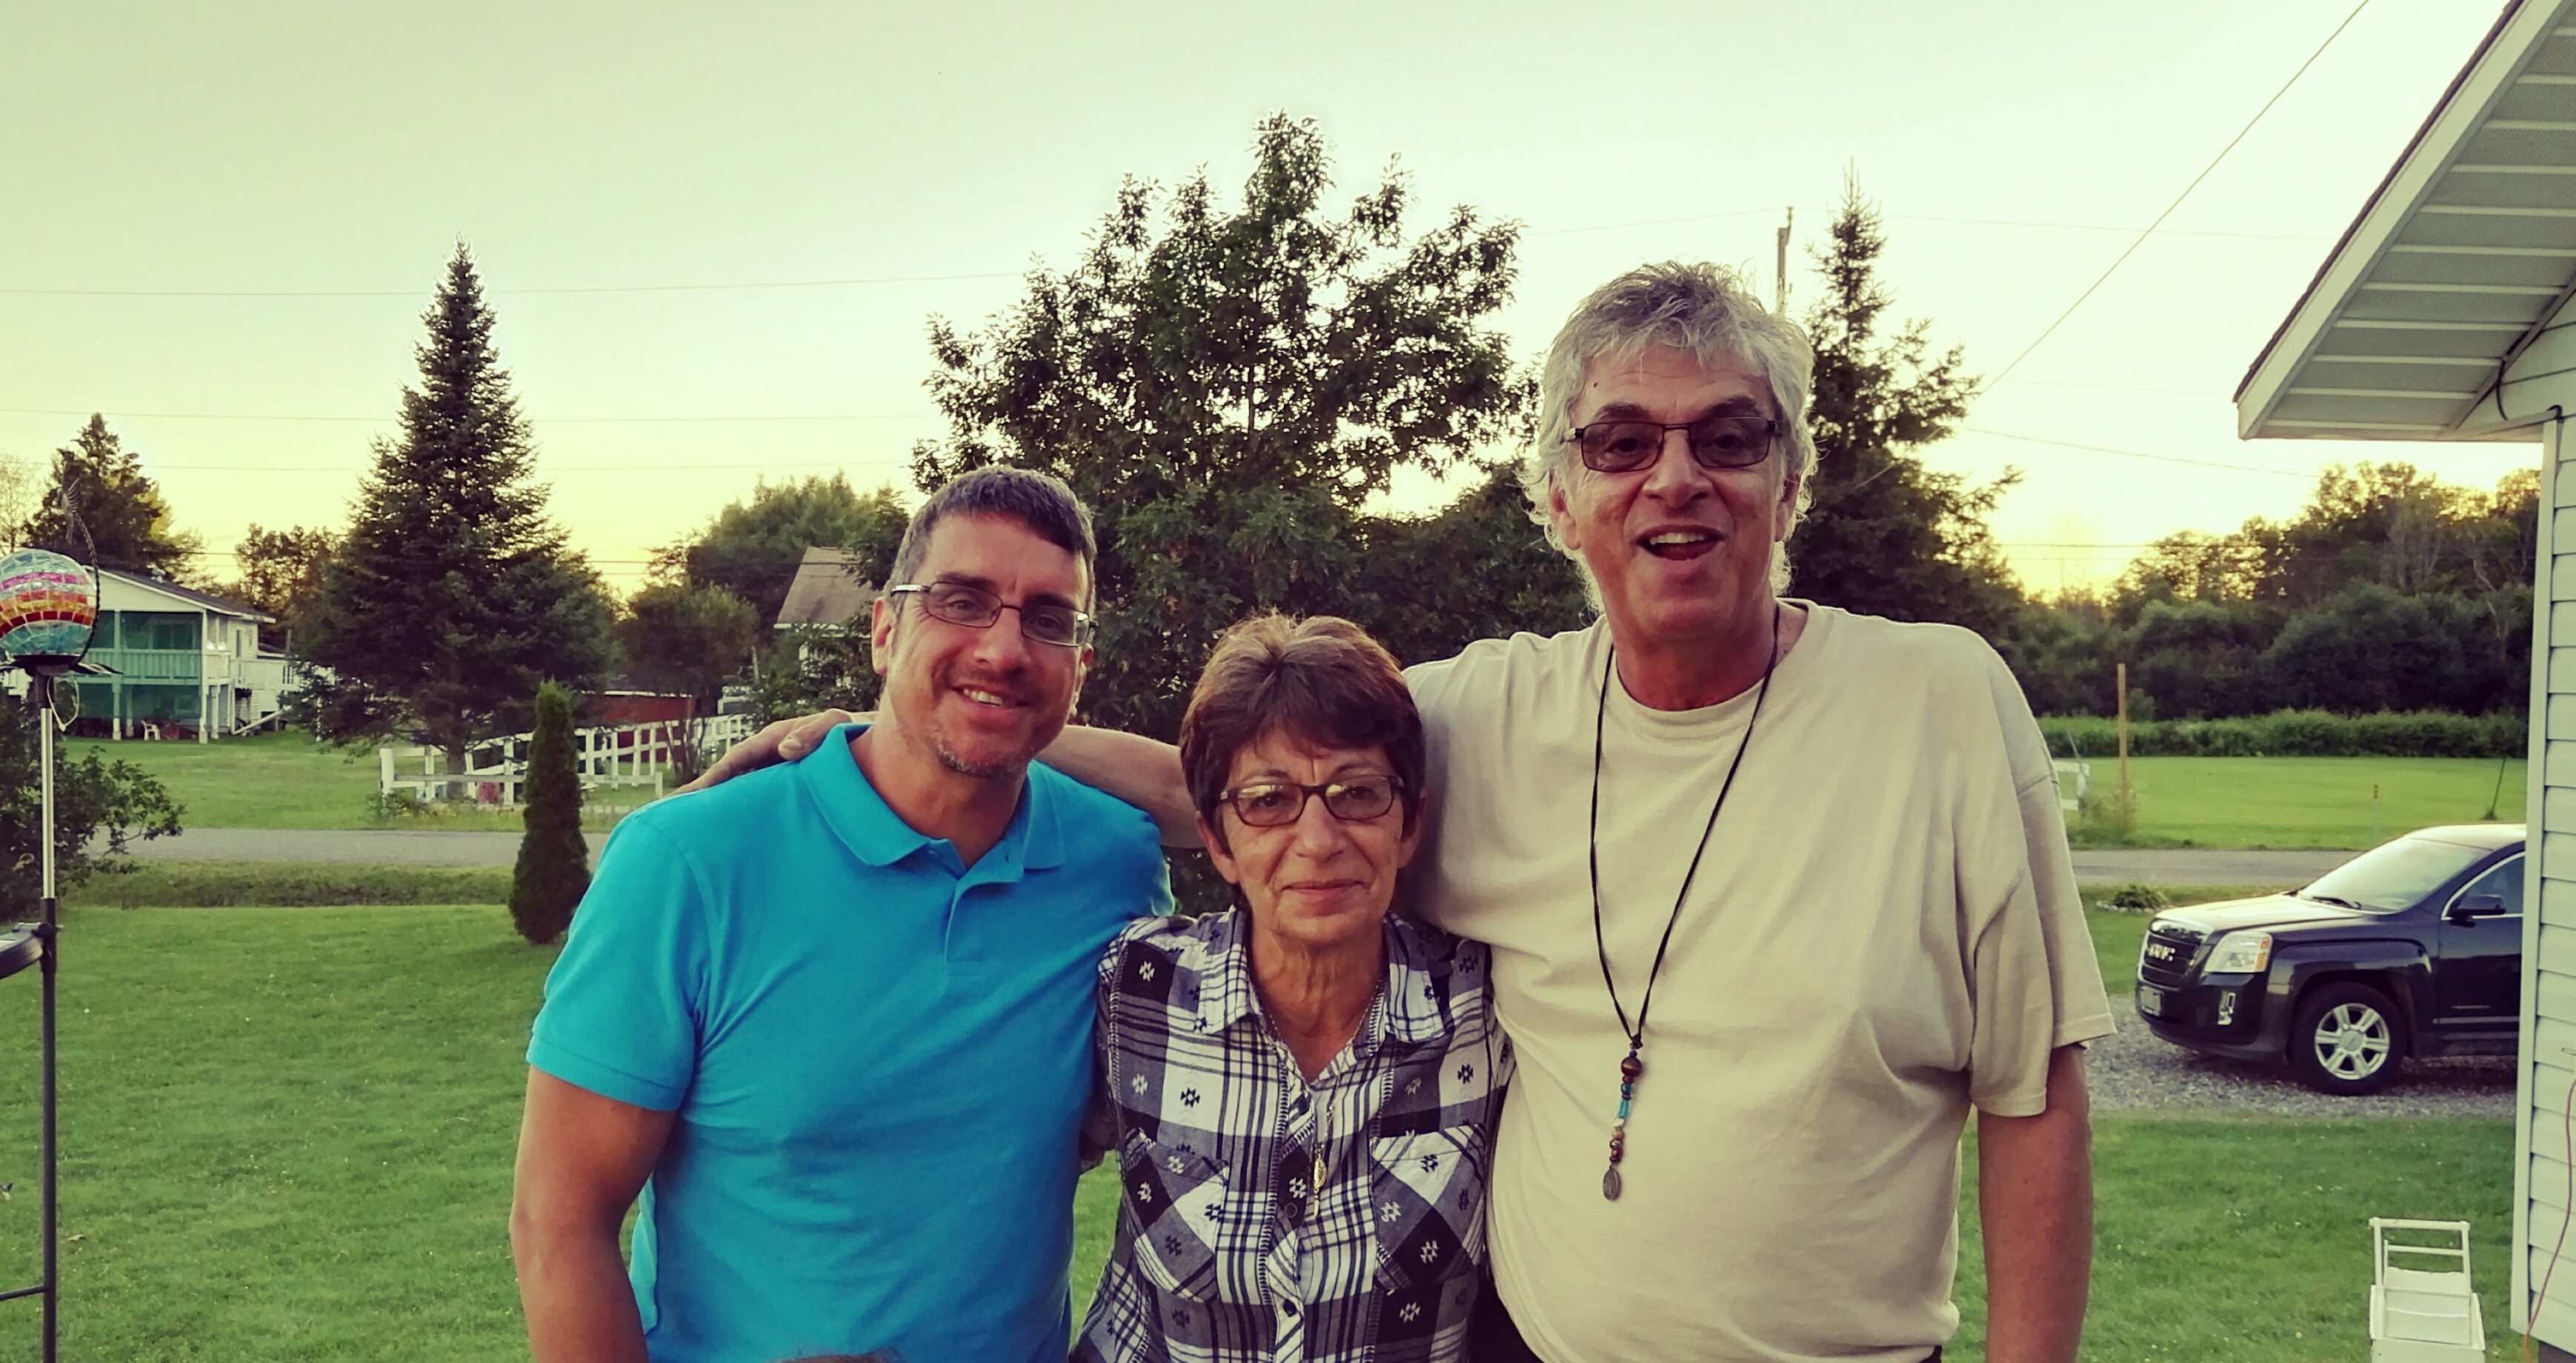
x,y
2198,866
421,848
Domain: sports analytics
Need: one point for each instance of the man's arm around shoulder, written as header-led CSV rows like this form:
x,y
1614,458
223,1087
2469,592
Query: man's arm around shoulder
x,y
582,1160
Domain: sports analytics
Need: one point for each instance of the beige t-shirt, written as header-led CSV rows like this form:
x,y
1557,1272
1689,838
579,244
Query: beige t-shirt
x,y
1883,932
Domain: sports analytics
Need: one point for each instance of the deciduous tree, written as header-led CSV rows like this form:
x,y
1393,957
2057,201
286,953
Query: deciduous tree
x,y
689,641
751,548
99,807
1225,386
280,571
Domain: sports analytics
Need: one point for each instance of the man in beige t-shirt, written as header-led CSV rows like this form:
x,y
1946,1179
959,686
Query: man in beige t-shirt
x,y
1796,876
1878,937
1777,894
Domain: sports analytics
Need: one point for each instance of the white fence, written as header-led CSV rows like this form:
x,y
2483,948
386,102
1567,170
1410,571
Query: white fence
x,y
624,754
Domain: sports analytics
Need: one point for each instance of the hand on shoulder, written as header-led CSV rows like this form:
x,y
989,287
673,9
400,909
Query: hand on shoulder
x,y
785,741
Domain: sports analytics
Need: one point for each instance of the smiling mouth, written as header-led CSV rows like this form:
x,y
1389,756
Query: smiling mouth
x,y
990,700
1679,544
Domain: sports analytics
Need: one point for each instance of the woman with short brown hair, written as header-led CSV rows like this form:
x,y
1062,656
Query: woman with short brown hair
x,y
1300,1090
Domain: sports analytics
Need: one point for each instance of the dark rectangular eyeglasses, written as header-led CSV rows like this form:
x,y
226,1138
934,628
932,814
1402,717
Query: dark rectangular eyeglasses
x,y
1270,804
1041,622
1721,441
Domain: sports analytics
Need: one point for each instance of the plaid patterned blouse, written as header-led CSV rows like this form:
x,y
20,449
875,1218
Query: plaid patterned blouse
x,y
1267,1220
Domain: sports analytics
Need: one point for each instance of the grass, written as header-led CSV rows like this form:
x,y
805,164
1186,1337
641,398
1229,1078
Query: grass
x,y
2296,802
2248,1240
156,884
288,1136
263,781
287,1133
289,781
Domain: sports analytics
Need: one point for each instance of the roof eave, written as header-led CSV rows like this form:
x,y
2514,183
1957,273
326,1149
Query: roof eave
x,y
2435,142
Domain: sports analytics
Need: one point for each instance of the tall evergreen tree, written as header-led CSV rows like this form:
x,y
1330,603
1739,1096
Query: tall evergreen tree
x,y
554,859
1887,534
123,511
452,596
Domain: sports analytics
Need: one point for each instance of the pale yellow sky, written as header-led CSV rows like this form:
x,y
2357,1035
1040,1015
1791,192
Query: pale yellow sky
x,y
224,220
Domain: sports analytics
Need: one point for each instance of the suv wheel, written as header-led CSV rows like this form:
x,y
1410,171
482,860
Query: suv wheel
x,y
2348,1040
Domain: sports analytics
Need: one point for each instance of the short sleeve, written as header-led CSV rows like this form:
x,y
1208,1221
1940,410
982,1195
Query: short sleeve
x,y
1099,1132
623,1000
2082,1007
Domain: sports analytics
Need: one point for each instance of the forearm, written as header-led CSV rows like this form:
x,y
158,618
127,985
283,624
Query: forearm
x,y
2035,1203
579,1304
1142,771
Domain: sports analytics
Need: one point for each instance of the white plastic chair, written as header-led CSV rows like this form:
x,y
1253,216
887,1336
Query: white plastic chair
x,y
2423,1315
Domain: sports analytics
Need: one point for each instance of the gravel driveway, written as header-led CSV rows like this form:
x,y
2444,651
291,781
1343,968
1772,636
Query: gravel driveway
x,y
2131,1070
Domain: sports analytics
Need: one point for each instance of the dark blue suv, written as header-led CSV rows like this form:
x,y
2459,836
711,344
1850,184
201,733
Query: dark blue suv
x,y
2411,948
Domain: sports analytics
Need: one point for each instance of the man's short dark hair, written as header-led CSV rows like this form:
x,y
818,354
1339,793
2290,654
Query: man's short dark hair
x,y
1039,501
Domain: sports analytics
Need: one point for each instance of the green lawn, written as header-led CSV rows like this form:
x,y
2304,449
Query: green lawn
x,y
2297,802
264,781
2248,1240
289,781
288,1136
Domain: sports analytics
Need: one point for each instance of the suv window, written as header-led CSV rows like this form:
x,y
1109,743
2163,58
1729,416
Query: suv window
x,y
2395,875
2504,881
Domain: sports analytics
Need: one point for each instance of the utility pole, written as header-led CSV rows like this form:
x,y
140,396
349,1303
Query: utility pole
x,y
1780,270
2125,797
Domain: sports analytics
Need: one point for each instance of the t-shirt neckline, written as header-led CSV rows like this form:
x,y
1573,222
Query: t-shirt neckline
x,y
1630,713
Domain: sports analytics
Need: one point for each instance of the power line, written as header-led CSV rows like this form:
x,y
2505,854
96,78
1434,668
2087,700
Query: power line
x,y
2309,238
2118,387
2187,189
534,420
543,471
854,282
871,280
2136,454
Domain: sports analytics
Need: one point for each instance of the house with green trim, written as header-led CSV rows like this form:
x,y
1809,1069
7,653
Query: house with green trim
x,y
186,664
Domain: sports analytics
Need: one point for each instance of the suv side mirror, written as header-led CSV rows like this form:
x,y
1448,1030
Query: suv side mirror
x,y
2471,906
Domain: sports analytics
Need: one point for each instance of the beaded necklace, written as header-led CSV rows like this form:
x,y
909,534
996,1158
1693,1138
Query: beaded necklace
x,y
1632,1067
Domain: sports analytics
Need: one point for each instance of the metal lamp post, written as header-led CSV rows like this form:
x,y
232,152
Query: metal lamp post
x,y
48,604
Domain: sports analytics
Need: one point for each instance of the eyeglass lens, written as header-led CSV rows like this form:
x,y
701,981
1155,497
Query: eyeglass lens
x,y
1268,806
1044,621
1717,442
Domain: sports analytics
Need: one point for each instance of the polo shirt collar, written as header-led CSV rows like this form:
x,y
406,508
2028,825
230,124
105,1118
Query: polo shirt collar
x,y
875,834
1413,1003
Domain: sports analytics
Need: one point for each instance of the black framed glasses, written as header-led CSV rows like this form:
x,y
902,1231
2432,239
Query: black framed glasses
x,y
1722,441
1271,804
1041,622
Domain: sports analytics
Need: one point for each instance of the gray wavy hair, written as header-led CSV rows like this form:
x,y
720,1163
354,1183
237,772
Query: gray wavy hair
x,y
1698,307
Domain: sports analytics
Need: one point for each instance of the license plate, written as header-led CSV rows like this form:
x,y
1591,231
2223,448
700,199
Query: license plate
x,y
2151,1000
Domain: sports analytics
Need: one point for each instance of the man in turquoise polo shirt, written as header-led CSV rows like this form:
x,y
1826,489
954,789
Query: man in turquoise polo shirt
x,y
830,1021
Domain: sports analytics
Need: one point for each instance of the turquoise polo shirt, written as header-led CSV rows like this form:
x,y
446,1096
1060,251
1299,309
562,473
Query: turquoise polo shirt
x,y
878,1058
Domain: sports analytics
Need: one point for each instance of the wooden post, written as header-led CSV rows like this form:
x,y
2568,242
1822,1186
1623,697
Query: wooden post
x,y
2128,811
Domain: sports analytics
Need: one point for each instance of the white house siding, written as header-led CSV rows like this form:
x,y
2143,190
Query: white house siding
x,y
2541,1136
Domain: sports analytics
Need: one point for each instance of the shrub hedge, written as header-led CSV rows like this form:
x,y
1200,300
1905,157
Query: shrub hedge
x,y
2296,733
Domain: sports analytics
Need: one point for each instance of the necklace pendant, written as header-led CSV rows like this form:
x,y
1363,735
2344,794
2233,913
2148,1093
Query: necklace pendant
x,y
1610,1184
